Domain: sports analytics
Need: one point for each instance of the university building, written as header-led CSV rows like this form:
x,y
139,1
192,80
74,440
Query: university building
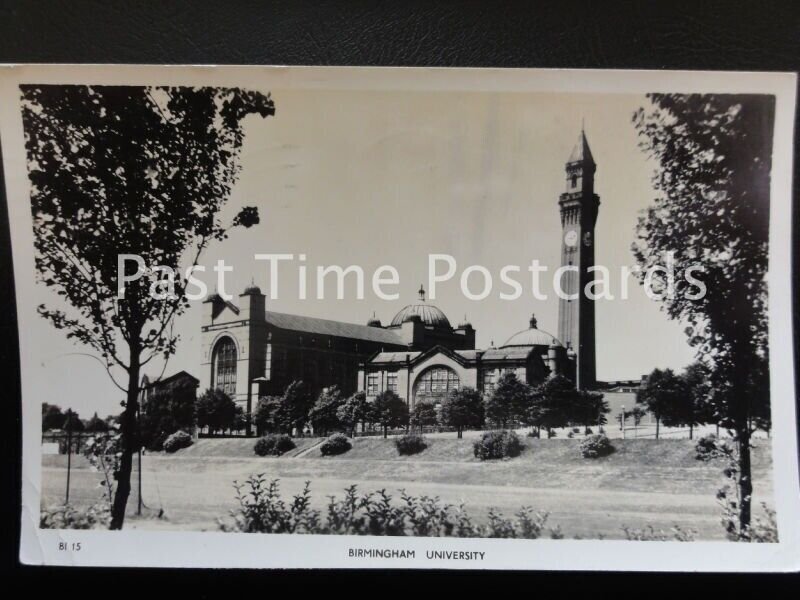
x,y
249,351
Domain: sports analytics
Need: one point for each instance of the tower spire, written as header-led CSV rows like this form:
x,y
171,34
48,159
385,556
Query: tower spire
x,y
421,293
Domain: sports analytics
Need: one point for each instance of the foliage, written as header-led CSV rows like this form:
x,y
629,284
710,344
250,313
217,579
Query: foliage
x,y
335,444
170,408
270,415
410,443
497,444
596,446
353,411
423,415
262,510
323,415
389,411
129,170
555,402
706,448
273,445
589,408
95,516
665,396
73,422
462,408
96,424
103,453
216,410
52,417
509,401
650,534
282,414
177,441
714,159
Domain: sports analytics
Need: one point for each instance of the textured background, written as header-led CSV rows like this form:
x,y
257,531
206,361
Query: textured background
x,y
710,34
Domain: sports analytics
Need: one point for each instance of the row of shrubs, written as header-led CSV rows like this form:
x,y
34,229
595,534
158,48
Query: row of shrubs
x,y
491,445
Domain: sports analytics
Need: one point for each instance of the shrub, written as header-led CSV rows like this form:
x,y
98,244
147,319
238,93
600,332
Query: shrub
x,y
273,445
706,447
69,517
178,440
596,446
263,510
497,444
650,534
335,444
411,443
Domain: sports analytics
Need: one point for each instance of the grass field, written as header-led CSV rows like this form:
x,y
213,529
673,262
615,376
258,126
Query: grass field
x,y
644,482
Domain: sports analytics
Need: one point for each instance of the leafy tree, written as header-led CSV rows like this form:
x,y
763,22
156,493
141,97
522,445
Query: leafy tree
x,y
423,415
96,425
555,403
509,401
170,408
699,396
714,158
323,415
355,410
270,415
589,408
52,417
390,410
72,422
216,410
637,413
282,414
462,408
664,395
129,170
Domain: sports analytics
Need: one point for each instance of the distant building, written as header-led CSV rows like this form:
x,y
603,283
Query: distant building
x,y
148,388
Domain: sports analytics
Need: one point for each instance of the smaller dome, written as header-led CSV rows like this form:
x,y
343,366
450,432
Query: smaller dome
x,y
374,321
532,337
252,290
465,324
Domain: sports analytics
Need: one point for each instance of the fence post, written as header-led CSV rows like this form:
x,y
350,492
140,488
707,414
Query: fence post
x,y
69,451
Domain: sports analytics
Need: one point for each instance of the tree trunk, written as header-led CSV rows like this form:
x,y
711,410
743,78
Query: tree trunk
x,y
128,427
658,426
459,433
745,482
691,431
385,432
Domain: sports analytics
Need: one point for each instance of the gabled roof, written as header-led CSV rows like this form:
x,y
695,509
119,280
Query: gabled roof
x,y
581,151
335,328
511,353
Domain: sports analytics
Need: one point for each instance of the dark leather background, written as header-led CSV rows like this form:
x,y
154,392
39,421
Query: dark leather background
x,y
711,34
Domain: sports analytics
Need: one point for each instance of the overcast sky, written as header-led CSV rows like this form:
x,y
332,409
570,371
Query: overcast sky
x,y
372,178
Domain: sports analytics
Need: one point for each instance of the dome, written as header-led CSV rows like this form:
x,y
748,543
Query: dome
x,y
531,337
374,321
427,313
252,290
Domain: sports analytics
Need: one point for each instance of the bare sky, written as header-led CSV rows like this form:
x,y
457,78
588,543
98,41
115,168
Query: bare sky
x,y
387,177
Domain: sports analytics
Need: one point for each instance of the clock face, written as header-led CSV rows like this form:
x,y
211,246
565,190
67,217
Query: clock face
x,y
571,238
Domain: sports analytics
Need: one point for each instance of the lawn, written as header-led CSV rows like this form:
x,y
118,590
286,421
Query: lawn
x,y
644,482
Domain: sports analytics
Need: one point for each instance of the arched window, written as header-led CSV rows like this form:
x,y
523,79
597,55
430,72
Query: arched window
x,y
224,369
574,181
435,383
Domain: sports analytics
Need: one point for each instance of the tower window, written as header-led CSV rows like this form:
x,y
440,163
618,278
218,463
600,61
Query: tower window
x,y
574,181
224,369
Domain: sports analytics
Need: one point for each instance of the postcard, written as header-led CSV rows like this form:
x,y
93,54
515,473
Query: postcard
x,y
402,318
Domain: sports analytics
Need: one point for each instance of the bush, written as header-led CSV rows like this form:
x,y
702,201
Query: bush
x,y
335,444
497,444
263,510
273,445
706,447
411,443
69,517
596,446
178,440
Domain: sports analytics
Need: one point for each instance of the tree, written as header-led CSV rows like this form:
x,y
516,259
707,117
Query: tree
x,y
714,158
129,170
589,408
355,410
555,402
170,407
96,425
389,410
216,410
52,417
270,415
287,412
462,408
664,395
423,415
701,407
72,422
323,415
509,400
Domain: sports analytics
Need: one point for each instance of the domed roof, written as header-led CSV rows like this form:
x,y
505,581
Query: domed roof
x,y
374,321
251,290
427,313
531,337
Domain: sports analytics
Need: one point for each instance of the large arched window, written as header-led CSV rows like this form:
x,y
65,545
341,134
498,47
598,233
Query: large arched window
x,y
224,369
435,383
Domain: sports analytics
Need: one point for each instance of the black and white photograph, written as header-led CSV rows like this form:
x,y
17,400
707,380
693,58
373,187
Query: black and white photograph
x,y
358,317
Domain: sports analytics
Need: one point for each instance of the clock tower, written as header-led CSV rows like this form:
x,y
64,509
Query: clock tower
x,y
578,206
